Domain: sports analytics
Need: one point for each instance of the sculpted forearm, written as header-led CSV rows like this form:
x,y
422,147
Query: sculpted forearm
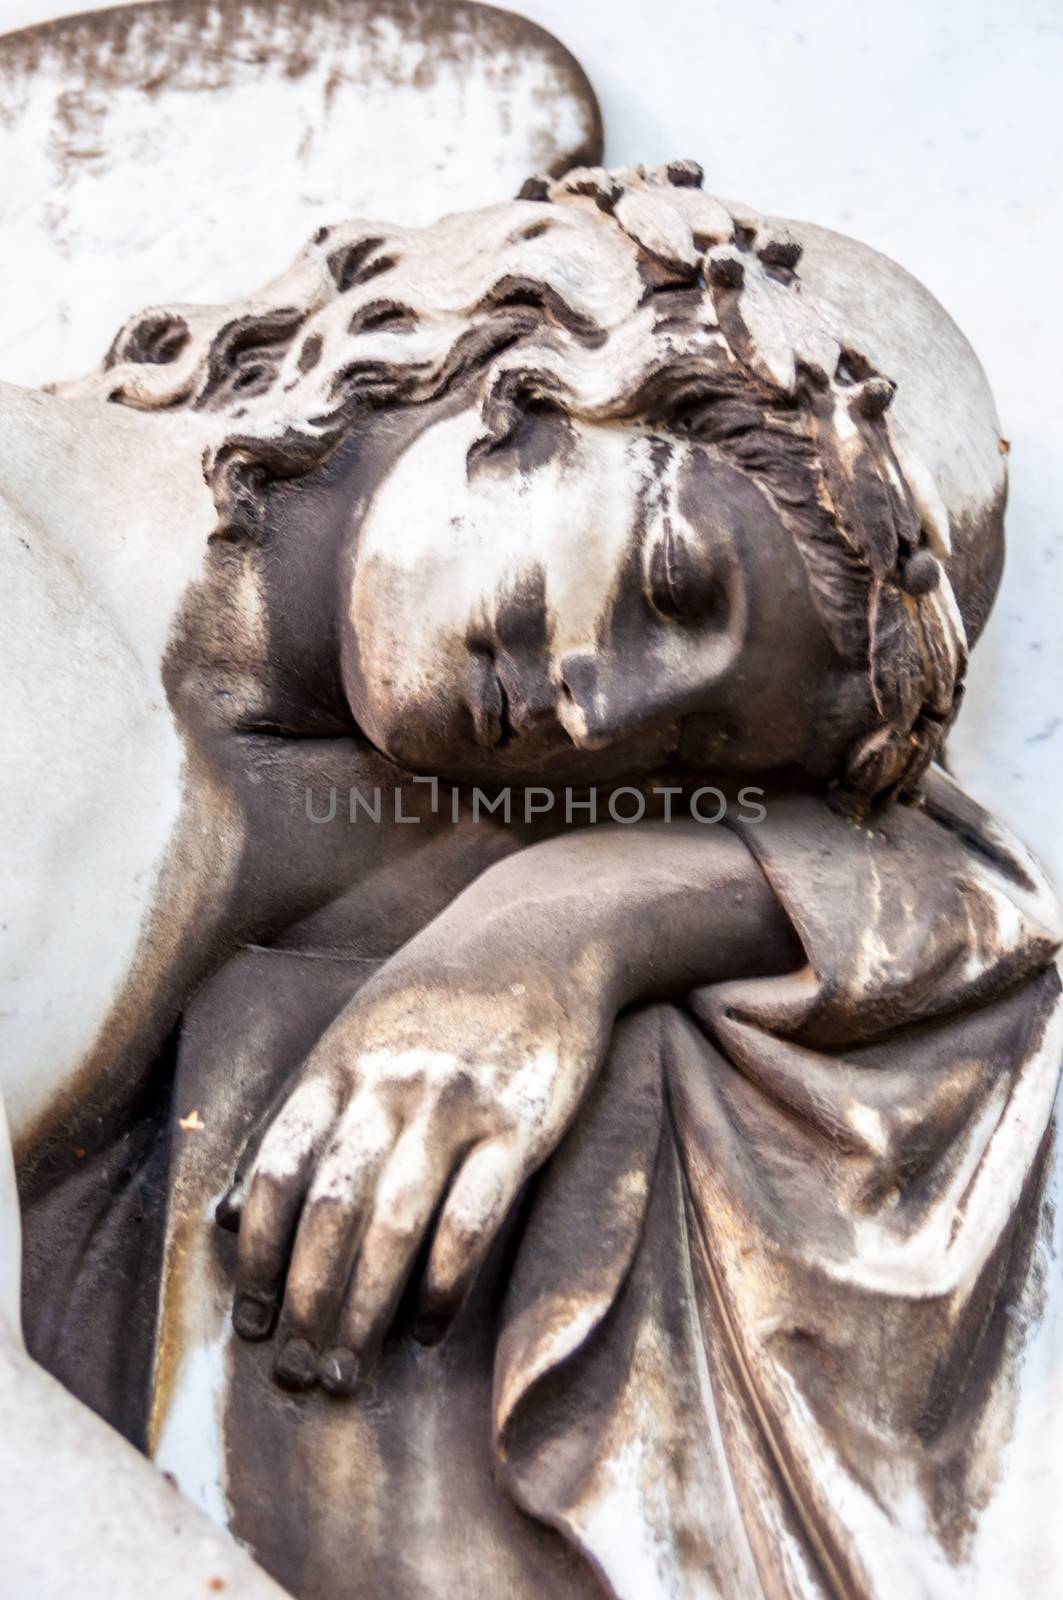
x,y
665,907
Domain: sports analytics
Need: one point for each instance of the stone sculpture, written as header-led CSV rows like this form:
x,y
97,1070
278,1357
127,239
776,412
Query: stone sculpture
x,y
452,1186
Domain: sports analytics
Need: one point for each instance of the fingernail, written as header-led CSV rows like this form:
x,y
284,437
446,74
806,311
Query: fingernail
x,y
252,1316
296,1366
227,1211
338,1372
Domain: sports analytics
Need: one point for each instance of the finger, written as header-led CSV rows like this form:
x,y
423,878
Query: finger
x,y
476,1207
281,1175
406,1199
328,1234
230,1207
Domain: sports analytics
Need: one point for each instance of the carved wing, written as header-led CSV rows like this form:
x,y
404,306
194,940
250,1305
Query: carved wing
x,y
176,151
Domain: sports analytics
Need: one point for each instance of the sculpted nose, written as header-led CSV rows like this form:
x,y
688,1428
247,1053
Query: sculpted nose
x,y
583,707
601,700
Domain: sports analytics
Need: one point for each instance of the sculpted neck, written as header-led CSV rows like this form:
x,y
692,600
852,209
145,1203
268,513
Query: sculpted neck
x,y
116,495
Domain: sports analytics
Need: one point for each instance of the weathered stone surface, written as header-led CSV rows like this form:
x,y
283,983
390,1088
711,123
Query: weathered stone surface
x,y
175,150
658,1211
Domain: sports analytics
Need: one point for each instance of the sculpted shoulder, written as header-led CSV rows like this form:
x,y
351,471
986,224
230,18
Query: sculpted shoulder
x,y
103,528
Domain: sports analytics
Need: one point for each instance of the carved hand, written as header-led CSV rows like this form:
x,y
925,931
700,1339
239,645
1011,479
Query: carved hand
x,y
454,1073
439,1086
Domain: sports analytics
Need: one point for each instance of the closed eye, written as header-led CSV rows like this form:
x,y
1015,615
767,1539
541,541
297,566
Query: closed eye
x,y
681,589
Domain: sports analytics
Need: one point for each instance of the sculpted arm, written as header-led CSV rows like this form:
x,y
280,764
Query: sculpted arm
x,y
657,909
456,1072
90,795
604,918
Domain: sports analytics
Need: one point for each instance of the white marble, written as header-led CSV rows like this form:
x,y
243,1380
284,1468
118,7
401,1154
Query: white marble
x,y
933,133
191,163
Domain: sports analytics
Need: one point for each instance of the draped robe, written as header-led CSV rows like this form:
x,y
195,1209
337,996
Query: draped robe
x,y
781,1317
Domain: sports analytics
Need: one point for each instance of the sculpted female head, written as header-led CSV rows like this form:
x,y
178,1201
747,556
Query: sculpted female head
x,y
615,489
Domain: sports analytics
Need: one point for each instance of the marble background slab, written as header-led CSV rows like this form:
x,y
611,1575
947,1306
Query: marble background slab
x,y
184,150
933,131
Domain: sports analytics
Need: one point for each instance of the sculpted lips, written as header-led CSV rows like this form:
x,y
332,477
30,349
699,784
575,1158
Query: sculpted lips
x,y
487,700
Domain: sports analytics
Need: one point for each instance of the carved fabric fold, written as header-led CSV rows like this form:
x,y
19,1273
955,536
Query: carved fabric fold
x,y
780,1320
786,1317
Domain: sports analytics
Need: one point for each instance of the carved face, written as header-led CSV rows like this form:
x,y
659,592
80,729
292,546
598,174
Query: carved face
x,y
582,601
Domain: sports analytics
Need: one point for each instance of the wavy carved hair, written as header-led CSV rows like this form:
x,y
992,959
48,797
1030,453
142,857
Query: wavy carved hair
x,y
608,295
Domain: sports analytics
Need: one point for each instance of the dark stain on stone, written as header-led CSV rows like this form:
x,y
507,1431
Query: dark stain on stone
x,y
310,354
208,45
154,340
